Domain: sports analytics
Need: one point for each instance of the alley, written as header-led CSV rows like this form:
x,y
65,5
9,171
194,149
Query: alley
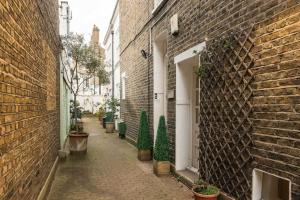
x,y
110,171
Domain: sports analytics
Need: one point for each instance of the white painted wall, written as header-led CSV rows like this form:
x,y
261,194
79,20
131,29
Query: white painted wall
x,y
160,68
115,27
65,90
90,102
64,18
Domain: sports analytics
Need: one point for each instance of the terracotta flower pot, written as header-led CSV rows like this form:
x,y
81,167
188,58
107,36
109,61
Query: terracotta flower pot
x,y
78,142
161,168
199,196
144,155
110,127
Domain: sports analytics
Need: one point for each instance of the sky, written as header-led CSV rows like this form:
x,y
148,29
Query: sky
x,y
86,13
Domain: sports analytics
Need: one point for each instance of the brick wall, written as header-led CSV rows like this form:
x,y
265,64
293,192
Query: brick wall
x,y
29,96
277,96
133,17
276,85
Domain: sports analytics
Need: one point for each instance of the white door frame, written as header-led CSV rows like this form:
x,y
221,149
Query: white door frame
x,y
183,107
160,68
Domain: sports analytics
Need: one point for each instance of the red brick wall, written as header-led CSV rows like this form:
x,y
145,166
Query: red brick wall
x,y
29,96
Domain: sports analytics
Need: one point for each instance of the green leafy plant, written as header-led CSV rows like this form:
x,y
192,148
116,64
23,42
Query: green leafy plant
x,y
122,129
76,105
199,182
112,105
202,187
76,127
101,112
144,139
161,149
207,189
215,51
109,117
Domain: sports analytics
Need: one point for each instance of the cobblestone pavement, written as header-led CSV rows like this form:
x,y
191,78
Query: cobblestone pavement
x,y
111,171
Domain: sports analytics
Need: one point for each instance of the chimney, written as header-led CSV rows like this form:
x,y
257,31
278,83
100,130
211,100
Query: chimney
x,y
95,36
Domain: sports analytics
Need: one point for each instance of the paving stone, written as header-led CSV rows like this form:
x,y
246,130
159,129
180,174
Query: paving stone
x,y
110,171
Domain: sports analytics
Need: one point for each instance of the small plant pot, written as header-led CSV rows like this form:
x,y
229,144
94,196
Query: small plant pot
x,y
78,142
199,196
161,168
144,155
110,127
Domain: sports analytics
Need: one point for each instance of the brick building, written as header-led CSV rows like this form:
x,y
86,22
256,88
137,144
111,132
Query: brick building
x,y
262,150
90,93
29,96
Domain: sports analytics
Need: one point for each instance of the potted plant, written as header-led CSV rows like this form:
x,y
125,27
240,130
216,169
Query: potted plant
x,y
83,59
100,114
113,107
144,143
78,139
109,122
204,191
122,130
161,164
104,121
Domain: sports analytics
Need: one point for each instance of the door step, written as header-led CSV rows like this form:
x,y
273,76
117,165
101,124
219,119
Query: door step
x,y
187,177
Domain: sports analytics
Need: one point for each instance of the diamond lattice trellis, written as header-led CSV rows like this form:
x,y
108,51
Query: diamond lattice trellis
x,y
225,125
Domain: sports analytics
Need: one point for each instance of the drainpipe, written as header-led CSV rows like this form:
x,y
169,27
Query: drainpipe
x,y
149,66
68,21
112,64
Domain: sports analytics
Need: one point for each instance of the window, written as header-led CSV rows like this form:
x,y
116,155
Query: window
x,y
268,186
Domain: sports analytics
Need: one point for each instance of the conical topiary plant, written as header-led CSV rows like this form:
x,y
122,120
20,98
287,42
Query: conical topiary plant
x,y
161,165
144,143
161,149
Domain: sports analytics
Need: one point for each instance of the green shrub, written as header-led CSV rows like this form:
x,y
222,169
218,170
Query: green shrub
x,y
207,190
161,149
112,105
77,127
109,117
144,139
101,112
122,129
